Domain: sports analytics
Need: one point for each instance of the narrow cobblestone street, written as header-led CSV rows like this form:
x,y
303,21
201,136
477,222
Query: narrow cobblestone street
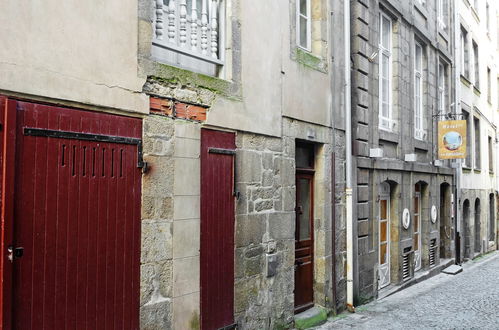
x,y
469,300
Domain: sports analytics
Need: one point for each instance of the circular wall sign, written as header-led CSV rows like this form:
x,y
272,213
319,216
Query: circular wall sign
x,y
433,214
406,219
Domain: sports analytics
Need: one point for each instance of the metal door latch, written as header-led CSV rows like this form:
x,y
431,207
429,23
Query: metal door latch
x,y
14,253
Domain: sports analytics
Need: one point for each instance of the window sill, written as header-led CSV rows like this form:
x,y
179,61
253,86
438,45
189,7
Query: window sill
x,y
475,14
477,170
465,80
491,172
421,144
309,60
171,74
476,90
388,136
466,169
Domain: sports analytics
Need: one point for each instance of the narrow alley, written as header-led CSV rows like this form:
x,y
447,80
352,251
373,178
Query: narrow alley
x,y
468,300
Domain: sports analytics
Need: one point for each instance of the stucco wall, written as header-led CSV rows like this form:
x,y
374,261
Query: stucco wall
x,y
73,50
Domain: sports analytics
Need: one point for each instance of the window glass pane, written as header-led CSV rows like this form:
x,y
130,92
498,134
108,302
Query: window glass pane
x,y
304,203
382,211
304,156
303,7
385,40
385,111
385,66
383,231
385,94
418,58
303,32
382,254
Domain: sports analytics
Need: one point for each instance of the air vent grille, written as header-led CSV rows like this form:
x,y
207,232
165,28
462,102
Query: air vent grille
x,y
433,250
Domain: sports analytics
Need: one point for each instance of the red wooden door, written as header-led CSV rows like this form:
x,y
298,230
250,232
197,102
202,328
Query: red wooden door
x,y
77,219
217,229
304,242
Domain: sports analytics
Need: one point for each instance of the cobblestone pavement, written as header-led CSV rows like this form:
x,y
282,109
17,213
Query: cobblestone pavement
x,y
469,300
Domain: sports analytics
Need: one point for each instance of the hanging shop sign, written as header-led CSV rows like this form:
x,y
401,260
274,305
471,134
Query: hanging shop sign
x,y
452,139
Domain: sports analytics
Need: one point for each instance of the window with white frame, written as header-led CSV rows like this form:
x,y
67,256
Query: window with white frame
x,y
442,14
385,72
304,24
476,65
419,131
441,88
190,34
465,68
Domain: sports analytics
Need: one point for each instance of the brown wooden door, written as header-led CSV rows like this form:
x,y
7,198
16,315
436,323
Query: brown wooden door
x,y
76,219
217,229
304,242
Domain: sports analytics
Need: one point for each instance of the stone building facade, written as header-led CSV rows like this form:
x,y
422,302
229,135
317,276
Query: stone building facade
x,y
267,74
276,97
478,103
403,59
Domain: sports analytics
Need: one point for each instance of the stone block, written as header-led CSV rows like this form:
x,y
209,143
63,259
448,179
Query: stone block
x,y
249,229
164,273
363,245
363,210
158,146
360,80
186,207
268,178
249,166
281,225
361,148
239,263
156,241
361,114
268,160
361,13
362,193
159,179
147,274
271,262
187,148
186,311
286,170
361,63
254,251
253,266
187,176
157,315
164,208
158,126
273,144
189,130
264,205
361,97
362,132
246,293
363,227
185,276
186,238
288,199
148,207
362,176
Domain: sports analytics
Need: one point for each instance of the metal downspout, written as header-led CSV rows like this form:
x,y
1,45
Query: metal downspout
x,y
348,149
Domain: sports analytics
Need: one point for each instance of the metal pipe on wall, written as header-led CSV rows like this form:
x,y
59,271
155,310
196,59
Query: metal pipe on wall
x,y
348,156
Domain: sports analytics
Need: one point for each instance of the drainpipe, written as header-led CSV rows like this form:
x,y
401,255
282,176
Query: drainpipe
x,y
457,109
348,150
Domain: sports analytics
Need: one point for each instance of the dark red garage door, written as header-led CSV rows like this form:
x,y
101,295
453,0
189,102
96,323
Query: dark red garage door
x,y
217,229
76,219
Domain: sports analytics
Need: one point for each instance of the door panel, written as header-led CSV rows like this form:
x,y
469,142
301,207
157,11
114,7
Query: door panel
x,y
77,216
217,229
304,243
384,242
417,231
